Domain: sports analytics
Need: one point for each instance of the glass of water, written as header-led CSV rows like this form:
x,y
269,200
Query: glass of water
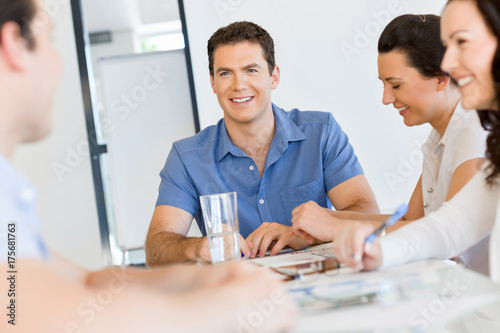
x,y
220,213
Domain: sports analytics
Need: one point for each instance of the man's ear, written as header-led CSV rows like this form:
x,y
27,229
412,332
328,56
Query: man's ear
x,y
13,46
212,83
275,77
442,82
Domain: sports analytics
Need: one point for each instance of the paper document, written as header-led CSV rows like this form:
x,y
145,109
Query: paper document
x,y
297,257
344,288
385,288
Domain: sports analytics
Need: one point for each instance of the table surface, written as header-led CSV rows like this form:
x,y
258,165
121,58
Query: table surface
x,y
425,296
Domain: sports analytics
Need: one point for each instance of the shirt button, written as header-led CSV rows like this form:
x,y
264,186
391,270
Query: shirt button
x,y
261,201
426,206
251,167
430,190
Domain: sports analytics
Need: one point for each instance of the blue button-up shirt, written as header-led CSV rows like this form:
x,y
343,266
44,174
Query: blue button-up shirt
x,y
308,156
18,208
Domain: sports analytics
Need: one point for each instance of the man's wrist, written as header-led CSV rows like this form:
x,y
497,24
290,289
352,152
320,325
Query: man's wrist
x,y
193,251
198,247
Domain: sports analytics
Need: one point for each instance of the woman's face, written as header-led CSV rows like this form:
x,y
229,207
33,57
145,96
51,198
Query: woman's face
x,y
470,48
413,95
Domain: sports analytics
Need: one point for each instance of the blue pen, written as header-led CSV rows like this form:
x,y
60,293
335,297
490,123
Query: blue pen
x,y
399,213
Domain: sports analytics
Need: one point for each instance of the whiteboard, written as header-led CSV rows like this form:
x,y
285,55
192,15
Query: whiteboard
x,y
327,53
145,107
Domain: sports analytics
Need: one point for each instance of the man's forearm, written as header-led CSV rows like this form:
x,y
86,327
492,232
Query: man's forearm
x,y
168,247
78,306
366,206
171,279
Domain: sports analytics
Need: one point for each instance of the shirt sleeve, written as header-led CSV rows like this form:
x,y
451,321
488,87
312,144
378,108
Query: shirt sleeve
x,y
339,161
20,232
457,225
176,187
469,142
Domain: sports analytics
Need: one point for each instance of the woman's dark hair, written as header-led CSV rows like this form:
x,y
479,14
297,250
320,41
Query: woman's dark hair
x,y
418,37
21,12
490,119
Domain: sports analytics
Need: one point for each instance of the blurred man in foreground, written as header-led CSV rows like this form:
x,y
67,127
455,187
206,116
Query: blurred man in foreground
x,y
40,292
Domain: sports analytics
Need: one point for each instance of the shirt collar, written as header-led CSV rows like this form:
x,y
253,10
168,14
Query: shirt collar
x,y
13,182
287,127
435,140
455,121
286,131
225,144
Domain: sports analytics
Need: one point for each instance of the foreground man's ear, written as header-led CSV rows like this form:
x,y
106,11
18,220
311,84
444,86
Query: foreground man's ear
x,y
13,47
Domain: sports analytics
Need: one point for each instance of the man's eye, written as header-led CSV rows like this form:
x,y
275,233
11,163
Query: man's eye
x,y
461,41
251,70
396,87
224,73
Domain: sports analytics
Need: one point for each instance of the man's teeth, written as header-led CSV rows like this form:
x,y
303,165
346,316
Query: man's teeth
x,y
402,109
465,80
241,100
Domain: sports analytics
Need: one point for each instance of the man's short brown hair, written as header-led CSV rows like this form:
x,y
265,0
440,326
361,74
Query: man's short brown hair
x,y
238,32
21,12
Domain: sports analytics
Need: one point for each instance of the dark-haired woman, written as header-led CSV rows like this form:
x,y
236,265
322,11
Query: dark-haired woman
x,y
470,32
409,65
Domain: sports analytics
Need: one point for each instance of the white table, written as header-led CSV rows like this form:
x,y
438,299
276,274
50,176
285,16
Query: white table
x,y
442,298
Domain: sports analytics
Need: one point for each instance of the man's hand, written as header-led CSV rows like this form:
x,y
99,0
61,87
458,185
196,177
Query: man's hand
x,y
202,252
247,291
268,233
313,221
261,287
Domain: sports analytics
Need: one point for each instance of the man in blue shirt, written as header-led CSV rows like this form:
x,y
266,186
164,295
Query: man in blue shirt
x,y
41,292
274,160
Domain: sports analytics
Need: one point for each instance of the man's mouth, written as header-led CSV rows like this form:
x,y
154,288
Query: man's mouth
x,y
241,100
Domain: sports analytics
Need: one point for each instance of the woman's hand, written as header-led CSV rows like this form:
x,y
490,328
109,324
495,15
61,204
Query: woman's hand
x,y
349,247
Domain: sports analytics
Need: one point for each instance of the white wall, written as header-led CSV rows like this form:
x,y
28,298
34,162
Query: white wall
x,y
67,202
123,42
327,52
311,79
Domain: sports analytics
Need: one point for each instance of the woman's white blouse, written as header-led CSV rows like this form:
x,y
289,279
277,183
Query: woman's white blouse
x,y
463,140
